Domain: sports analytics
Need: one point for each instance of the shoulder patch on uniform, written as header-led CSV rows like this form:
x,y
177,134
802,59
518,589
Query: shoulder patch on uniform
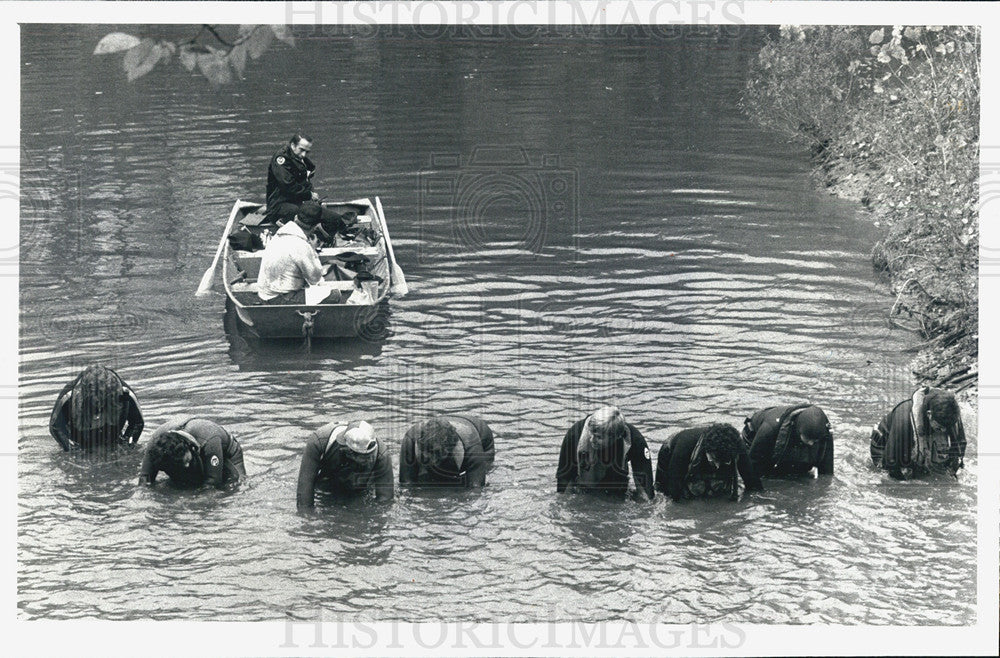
x,y
280,159
646,452
215,460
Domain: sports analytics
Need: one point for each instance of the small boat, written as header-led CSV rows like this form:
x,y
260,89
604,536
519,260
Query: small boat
x,y
347,303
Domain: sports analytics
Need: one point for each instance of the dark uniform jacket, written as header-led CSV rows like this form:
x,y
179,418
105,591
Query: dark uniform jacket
x,y
683,471
615,479
288,179
326,462
772,438
480,451
219,459
892,443
124,430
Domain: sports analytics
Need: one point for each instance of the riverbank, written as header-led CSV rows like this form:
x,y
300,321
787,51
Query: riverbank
x,y
891,118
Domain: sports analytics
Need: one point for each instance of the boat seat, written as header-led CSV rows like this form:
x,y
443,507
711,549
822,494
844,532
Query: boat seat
x,y
246,292
249,261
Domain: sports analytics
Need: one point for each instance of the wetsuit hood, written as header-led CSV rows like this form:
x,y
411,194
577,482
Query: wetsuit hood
x,y
97,399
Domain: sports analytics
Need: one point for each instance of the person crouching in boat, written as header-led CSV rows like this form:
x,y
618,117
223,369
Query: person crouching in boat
x,y
193,452
596,454
921,435
704,462
290,261
289,179
289,185
96,411
452,451
789,440
345,459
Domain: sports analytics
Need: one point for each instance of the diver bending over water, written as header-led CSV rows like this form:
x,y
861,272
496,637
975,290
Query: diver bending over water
x,y
596,454
703,462
192,452
921,435
346,459
96,411
789,440
447,451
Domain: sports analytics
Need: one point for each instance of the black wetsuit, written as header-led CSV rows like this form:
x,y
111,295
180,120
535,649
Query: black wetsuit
x,y
327,463
477,442
615,480
679,478
219,458
288,184
124,431
772,438
892,441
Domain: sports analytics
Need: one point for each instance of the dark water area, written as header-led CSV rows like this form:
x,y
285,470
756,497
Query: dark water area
x,y
582,220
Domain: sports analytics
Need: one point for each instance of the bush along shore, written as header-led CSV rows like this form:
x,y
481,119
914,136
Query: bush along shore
x,y
891,117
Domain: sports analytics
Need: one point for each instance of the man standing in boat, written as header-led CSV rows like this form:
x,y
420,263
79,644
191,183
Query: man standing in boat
x,y
290,261
289,181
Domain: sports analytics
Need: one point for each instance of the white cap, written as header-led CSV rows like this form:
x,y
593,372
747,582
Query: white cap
x,y
359,436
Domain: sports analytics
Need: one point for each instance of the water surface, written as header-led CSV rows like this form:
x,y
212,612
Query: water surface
x,y
634,241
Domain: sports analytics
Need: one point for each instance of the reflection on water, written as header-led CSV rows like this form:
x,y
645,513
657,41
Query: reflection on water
x,y
649,249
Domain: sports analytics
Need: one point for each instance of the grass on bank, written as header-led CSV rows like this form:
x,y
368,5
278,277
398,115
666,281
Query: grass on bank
x,y
891,116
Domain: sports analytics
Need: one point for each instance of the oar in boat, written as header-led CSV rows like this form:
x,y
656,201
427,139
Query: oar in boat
x,y
208,278
398,280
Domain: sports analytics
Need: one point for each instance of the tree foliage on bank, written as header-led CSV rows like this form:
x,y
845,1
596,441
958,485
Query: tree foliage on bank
x,y
219,54
892,116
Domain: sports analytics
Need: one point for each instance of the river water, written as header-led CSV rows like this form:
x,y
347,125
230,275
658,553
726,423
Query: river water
x,y
582,219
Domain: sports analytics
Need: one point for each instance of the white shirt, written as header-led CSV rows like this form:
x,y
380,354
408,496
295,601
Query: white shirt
x,y
288,264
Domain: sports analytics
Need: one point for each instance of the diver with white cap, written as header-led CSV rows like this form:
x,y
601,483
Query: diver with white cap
x,y
597,452
345,459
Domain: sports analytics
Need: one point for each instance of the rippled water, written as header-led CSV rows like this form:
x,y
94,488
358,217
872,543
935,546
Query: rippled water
x,y
691,273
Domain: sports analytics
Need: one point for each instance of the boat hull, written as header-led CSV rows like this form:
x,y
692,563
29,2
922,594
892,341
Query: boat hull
x,y
329,321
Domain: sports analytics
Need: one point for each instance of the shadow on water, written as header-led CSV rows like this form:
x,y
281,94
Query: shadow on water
x,y
252,353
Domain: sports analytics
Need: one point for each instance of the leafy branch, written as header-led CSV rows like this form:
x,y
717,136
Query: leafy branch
x,y
219,65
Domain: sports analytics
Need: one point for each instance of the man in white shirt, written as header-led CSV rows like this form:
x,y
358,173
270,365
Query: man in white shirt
x,y
290,261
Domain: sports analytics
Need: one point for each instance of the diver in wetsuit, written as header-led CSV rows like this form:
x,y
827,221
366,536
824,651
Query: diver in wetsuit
x,y
97,410
346,459
192,452
789,440
704,462
921,435
596,454
452,451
